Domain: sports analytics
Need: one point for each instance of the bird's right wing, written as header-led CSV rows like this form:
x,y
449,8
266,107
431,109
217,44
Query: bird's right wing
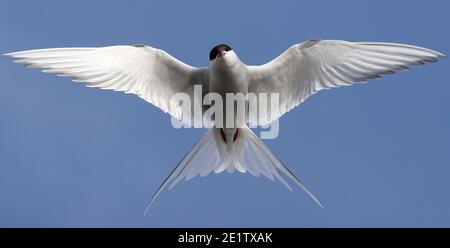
x,y
309,67
150,73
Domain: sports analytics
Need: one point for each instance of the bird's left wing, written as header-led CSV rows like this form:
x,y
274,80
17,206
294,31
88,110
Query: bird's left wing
x,y
314,65
150,73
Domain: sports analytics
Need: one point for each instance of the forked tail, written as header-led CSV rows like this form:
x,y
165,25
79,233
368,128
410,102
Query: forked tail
x,y
243,153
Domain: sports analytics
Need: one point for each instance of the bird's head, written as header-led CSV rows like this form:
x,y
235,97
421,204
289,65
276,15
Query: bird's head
x,y
224,55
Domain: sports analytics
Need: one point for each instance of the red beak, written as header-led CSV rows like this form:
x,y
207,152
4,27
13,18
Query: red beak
x,y
221,54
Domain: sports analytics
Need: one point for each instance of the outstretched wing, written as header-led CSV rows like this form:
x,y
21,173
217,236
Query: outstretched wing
x,y
314,65
150,73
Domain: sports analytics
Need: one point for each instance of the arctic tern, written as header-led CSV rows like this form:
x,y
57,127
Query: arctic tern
x,y
299,72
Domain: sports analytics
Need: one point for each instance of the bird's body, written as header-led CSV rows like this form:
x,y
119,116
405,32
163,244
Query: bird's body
x,y
224,78
228,75
295,75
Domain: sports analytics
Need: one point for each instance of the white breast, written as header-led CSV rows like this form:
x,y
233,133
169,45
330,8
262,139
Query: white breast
x,y
228,75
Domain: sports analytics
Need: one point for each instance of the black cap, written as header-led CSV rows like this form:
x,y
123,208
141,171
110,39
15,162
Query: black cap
x,y
216,50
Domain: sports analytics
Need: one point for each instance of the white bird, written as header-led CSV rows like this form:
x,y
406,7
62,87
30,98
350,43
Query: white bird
x,y
295,75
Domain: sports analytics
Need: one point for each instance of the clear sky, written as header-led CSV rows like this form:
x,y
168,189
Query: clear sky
x,y
376,155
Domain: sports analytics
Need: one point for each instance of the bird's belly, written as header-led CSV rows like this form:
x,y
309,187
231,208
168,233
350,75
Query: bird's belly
x,y
226,85
232,90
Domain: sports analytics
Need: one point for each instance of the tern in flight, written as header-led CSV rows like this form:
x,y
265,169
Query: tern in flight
x,y
298,73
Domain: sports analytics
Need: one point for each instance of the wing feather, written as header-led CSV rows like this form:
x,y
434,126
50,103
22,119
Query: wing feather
x,y
150,73
309,67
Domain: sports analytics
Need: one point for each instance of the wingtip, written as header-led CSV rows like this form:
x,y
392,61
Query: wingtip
x,y
438,55
8,54
15,54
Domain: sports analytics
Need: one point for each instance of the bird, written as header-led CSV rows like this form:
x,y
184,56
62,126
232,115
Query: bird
x,y
298,73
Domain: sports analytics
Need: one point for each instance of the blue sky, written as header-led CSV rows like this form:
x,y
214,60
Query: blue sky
x,y
377,155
